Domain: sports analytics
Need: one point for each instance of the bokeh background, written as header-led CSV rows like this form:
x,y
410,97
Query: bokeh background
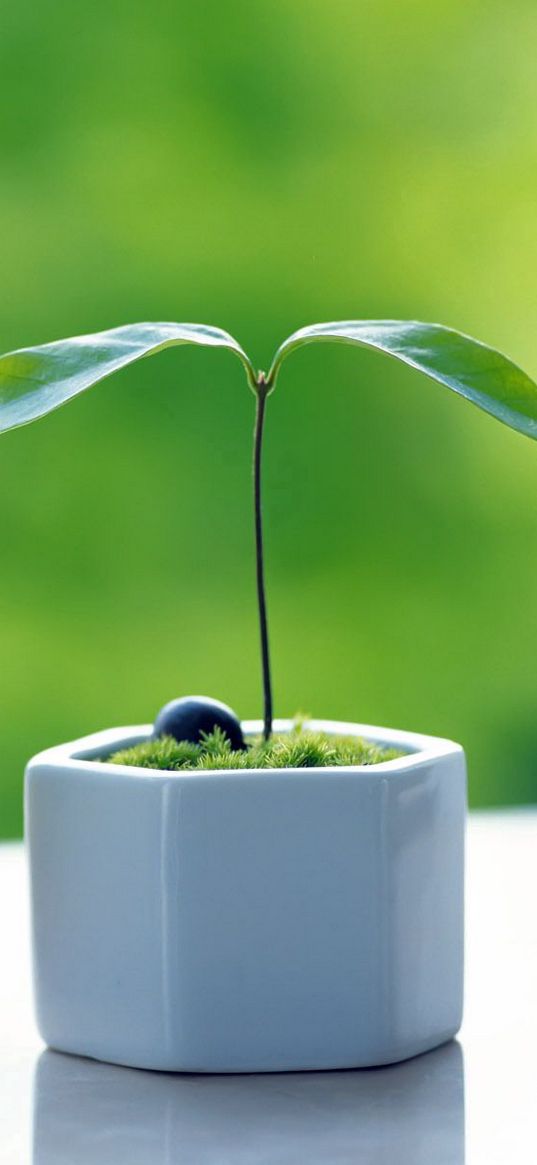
x,y
260,166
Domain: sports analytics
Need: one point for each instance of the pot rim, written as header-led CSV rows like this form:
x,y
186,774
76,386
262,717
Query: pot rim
x,y
84,754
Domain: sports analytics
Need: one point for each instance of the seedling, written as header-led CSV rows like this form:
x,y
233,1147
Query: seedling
x,y
35,381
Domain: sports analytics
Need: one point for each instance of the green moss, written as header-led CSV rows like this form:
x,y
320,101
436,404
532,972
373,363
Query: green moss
x,y
300,748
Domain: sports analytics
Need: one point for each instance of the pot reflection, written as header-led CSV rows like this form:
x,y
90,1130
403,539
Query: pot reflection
x,y
96,1114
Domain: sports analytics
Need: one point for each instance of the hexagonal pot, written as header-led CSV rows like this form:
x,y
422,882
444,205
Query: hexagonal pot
x,y
248,921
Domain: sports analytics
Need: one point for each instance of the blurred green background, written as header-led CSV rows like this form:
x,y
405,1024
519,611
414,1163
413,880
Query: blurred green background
x,y
260,167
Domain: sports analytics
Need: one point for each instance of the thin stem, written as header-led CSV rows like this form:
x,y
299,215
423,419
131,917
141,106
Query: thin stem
x,y
261,396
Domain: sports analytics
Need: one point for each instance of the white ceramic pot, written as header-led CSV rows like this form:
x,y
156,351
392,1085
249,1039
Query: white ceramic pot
x,y
248,921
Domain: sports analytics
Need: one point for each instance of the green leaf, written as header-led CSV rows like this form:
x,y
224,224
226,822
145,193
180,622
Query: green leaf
x,y
34,381
479,373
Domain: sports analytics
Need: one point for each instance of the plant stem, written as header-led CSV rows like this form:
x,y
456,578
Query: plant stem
x,y
262,392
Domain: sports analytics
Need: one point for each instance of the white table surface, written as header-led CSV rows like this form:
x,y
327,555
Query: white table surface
x,y
472,1101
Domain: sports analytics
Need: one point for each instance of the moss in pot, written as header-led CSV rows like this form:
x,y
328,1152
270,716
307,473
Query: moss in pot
x,y
215,896
298,748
